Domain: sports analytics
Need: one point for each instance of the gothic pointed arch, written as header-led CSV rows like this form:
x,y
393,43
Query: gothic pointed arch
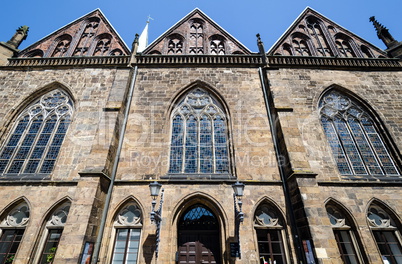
x,y
61,46
175,44
36,136
270,233
385,225
13,222
345,45
200,230
346,233
360,143
126,234
199,135
101,45
51,231
217,45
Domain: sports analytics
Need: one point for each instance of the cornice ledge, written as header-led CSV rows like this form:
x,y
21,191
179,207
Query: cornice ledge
x,y
334,62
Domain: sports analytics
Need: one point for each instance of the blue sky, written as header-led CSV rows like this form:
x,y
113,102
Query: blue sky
x,y
243,19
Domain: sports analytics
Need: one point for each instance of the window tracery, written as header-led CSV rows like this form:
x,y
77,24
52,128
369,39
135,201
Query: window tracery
x,y
270,234
175,44
12,228
344,235
317,35
103,45
196,39
386,233
128,223
86,37
199,141
38,133
357,146
217,45
62,46
52,233
344,46
300,46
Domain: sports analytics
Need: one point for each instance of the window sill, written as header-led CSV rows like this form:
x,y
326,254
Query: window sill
x,y
24,176
198,176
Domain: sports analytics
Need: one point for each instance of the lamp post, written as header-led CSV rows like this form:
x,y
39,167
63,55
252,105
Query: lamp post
x,y
238,191
156,216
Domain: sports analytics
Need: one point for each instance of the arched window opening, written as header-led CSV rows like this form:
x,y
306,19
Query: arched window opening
x,y
87,36
352,133
12,227
175,44
271,235
287,49
37,136
52,233
199,236
344,45
62,46
300,46
196,39
345,235
319,40
217,45
127,225
366,52
199,142
102,45
386,234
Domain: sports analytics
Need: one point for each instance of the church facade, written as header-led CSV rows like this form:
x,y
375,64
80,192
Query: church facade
x,y
197,150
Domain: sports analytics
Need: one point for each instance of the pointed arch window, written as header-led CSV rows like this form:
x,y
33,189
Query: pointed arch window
x,y
128,224
12,227
316,31
199,141
345,236
271,235
63,44
344,45
39,131
386,234
196,39
175,44
52,233
217,43
356,143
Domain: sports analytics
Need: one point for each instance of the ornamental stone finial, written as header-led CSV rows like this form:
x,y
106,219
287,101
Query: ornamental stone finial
x,y
20,35
383,34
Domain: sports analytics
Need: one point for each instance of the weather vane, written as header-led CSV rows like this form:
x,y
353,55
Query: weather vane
x,y
149,18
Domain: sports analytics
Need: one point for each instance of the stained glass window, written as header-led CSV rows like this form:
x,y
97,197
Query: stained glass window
x,y
356,144
39,131
199,135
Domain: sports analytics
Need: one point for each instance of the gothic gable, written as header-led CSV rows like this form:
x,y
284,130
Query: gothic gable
x,y
312,34
90,35
196,34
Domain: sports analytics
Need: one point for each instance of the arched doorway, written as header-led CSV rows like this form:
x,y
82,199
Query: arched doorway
x,y
199,236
